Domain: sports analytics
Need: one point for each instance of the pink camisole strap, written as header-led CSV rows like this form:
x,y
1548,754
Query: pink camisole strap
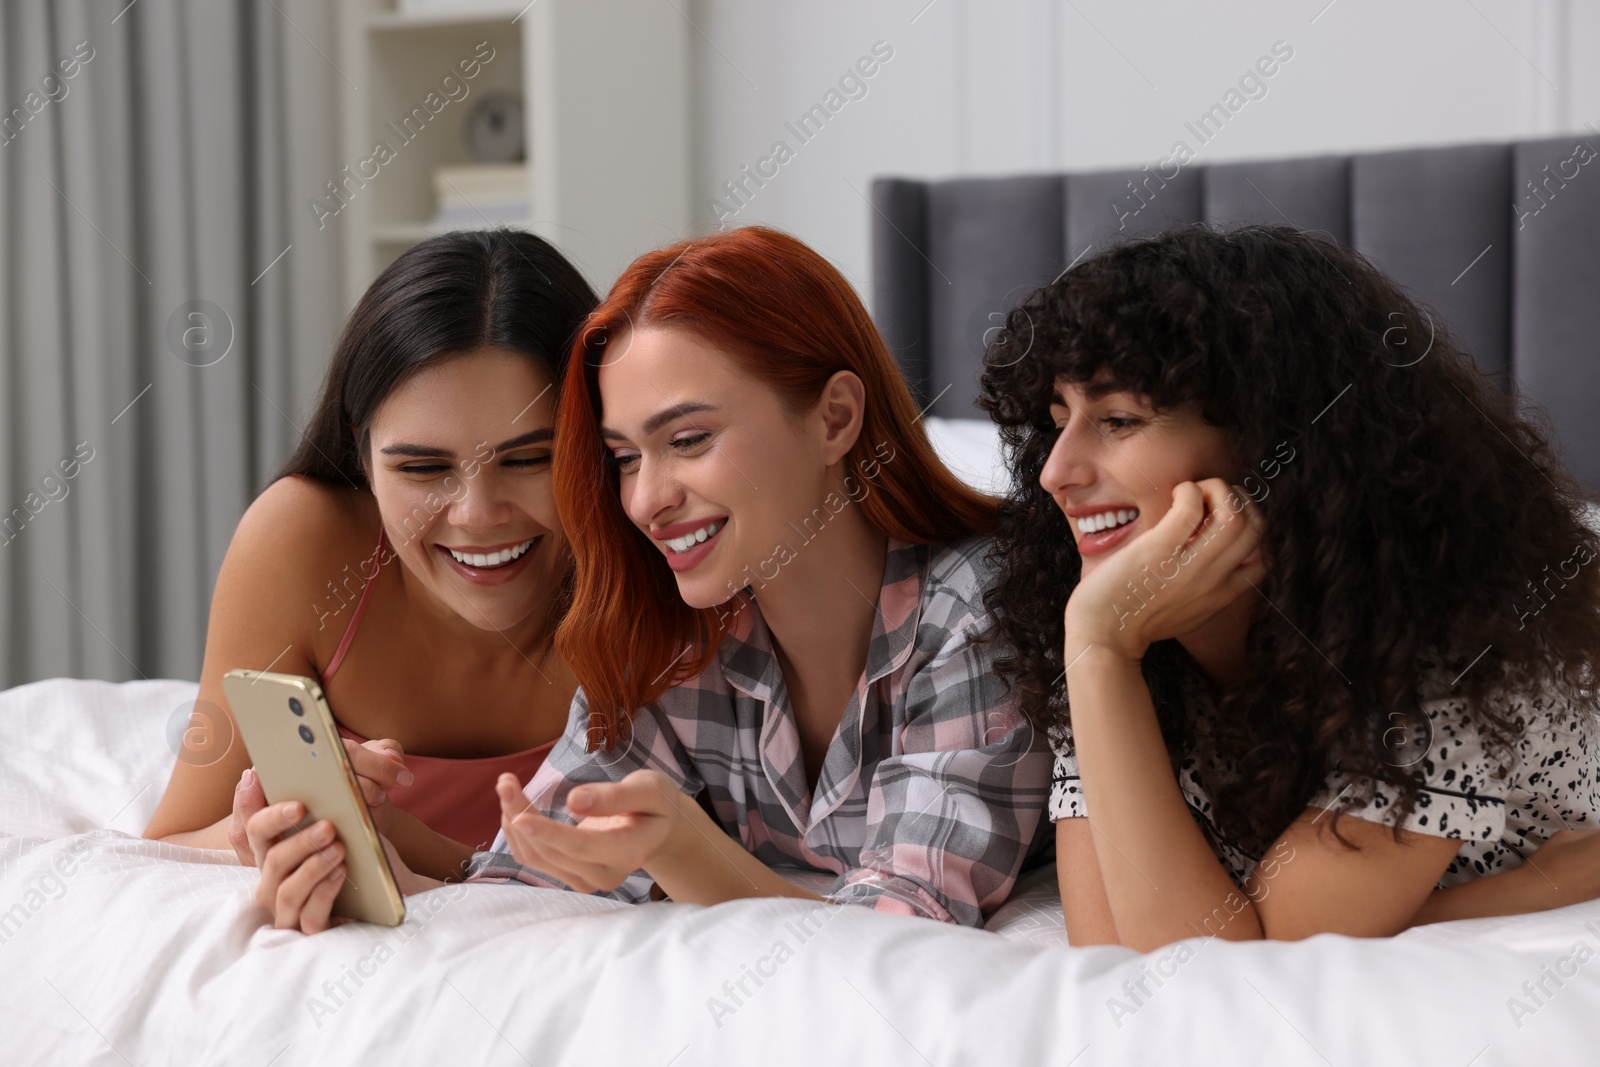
x,y
361,606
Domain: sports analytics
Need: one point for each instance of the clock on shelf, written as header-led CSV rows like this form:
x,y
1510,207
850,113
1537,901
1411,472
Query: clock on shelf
x,y
493,129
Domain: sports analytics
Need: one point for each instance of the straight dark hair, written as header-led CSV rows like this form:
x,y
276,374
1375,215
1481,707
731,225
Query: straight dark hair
x,y
444,297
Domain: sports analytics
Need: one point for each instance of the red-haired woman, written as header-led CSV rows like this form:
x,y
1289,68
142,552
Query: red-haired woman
x,y
778,625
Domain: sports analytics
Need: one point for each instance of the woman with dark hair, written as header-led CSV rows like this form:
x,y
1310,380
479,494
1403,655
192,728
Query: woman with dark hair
x,y
781,613
408,555
1305,607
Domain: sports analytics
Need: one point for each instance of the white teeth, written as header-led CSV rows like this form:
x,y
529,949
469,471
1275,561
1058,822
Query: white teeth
x,y
493,559
689,540
1107,520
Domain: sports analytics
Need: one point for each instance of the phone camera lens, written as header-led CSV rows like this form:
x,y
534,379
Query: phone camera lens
x,y
305,734
296,707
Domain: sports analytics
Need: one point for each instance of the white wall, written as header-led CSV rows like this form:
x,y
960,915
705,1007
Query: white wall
x,y
1008,86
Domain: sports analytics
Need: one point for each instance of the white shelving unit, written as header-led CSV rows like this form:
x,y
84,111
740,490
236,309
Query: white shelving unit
x,y
605,94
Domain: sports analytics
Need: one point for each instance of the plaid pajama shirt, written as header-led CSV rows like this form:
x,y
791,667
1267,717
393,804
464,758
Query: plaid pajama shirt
x,y
930,796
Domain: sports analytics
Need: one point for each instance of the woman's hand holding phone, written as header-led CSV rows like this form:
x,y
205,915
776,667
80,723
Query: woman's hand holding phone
x,y
302,873
379,766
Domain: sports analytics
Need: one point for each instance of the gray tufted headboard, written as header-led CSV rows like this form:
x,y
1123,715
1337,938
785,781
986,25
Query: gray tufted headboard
x,y
1502,241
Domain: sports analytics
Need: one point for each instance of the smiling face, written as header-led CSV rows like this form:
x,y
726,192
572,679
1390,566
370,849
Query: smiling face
x,y
1115,463
712,466
459,462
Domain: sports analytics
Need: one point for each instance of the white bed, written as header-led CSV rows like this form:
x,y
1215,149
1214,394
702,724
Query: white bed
x,y
147,954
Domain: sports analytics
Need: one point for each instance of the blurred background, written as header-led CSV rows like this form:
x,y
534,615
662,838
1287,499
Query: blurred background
x,y
193,194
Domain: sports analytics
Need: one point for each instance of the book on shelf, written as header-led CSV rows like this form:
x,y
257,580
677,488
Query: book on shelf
x,y
481,194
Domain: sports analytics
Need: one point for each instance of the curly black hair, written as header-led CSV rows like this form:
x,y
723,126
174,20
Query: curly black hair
x,y
1415,519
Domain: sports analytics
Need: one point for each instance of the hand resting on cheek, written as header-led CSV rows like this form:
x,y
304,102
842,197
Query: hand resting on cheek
x,y
1202,555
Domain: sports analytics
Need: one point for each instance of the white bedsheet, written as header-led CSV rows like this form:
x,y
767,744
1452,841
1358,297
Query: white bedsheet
x,y
148,954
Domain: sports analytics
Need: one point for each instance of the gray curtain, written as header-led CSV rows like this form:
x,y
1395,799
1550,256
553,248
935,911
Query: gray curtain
x,y
154,162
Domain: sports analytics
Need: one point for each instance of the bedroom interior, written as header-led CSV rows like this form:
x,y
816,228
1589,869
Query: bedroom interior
x,y
193,197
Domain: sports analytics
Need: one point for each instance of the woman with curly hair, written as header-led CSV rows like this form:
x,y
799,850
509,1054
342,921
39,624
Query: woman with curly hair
x,y
1305,606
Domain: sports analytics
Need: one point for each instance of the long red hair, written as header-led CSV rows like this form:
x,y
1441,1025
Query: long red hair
x,y
790,319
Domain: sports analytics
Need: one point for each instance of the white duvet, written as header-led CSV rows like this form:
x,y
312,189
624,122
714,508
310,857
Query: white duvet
x,y
118,950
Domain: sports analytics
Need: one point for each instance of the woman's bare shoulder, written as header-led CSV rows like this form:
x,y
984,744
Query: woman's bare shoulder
x,y
296,537
297,515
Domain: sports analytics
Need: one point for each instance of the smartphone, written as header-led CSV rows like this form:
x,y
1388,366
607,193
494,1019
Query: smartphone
x,y
294,743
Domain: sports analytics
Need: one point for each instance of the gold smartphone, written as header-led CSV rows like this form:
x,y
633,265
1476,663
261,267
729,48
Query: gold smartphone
x,y
290,734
